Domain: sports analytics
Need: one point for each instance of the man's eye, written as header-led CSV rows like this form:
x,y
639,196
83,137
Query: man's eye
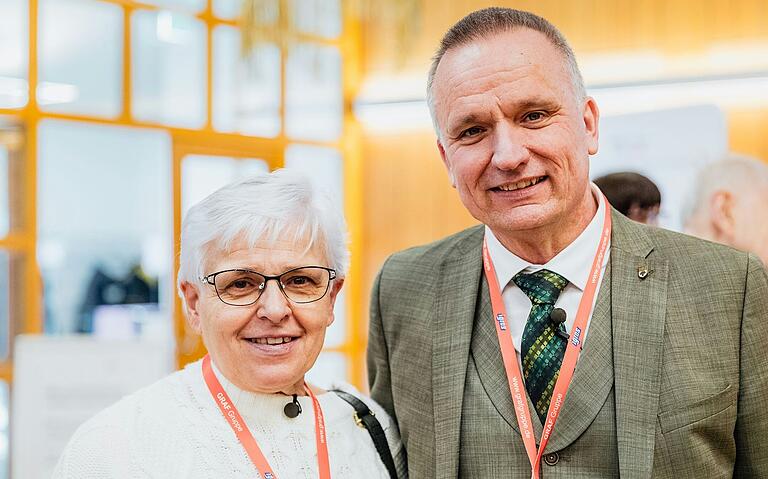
x,y
534,116
470,132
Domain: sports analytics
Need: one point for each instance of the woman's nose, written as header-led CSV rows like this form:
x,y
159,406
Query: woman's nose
x,y
272,304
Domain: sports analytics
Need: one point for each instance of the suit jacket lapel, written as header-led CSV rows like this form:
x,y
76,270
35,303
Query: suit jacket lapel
x,y
593,377
455,304
490,365
639,300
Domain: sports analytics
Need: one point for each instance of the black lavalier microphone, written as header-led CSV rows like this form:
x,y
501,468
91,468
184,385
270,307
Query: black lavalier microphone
x,y
293,408
557,316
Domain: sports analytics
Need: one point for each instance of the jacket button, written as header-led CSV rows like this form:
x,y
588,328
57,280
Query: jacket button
x,y
551,459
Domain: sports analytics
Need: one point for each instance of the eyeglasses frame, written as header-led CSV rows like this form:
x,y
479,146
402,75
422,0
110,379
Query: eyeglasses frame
x,y
211,280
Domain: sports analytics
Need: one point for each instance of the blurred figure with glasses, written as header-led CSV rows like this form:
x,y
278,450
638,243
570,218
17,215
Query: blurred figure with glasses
x,y
262,263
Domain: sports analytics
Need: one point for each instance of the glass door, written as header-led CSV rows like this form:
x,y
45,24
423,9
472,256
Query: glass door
x,y
15,248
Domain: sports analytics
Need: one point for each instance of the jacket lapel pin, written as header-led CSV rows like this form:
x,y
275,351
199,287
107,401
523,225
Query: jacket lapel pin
x,y
643,271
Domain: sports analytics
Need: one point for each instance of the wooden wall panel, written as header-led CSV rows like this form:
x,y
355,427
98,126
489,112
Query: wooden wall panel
x,y
669,26
408,199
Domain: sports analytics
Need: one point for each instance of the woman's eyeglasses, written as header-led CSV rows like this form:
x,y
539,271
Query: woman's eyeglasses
x,y
243,287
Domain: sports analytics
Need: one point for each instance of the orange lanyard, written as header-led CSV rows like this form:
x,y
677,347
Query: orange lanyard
x,y
245,437
508,353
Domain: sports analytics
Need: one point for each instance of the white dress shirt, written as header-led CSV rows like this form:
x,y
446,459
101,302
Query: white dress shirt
x,y
573,263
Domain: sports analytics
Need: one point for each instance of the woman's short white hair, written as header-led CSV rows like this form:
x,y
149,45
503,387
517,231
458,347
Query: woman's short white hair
x,y
282,205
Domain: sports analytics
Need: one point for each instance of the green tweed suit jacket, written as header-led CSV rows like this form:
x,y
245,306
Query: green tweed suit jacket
x,y
683,356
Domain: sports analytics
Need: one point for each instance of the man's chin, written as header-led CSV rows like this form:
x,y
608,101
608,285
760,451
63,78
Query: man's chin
x,y
522,220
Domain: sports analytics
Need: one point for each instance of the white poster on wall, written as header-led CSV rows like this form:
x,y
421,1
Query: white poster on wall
x,y
60,382
667,146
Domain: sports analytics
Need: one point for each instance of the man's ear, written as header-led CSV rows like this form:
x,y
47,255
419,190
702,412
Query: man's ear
x,y
191,300
591,121
721,208
446,163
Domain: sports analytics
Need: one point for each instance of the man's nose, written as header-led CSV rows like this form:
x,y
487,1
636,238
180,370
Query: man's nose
x,y
272,304
509,150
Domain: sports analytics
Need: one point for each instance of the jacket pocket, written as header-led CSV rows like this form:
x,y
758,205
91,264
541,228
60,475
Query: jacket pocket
x,y
700,410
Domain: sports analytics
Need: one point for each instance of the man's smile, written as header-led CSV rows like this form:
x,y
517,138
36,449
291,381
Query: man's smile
x,y
519,185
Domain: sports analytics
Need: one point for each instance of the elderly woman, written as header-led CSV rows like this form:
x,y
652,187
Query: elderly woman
x,y
262,263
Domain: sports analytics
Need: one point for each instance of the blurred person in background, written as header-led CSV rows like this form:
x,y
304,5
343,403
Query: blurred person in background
x,y
262,262
729,204
633,195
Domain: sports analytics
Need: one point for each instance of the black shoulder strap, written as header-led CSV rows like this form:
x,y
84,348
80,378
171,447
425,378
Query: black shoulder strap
x,y
364,418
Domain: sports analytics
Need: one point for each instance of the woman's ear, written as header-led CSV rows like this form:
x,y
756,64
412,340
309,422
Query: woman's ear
x,y
191,300
333,293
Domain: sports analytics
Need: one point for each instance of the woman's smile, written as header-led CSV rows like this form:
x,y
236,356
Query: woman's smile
x,y
273,346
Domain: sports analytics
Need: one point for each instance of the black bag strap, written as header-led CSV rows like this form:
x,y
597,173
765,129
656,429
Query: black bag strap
x,y
364,418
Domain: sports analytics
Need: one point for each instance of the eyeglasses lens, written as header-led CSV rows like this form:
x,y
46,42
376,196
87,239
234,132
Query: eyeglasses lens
x,y
305,284
239,288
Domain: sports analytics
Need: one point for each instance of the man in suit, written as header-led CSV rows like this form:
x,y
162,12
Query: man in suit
x,y
729,204
671,381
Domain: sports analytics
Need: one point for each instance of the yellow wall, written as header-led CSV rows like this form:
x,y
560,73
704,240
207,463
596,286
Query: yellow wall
x,y
671,26
748,131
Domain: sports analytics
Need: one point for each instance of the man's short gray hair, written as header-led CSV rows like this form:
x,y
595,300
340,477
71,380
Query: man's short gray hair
x,y
494,20
266,207
734,173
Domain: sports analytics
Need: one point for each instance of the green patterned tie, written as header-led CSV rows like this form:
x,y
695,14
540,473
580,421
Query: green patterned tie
x,y
541,349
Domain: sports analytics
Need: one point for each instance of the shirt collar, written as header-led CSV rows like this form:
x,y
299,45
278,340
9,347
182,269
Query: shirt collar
x,y
573,262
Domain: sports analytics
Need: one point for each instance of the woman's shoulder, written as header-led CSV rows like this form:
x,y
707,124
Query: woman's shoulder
x,y
107,437
164,391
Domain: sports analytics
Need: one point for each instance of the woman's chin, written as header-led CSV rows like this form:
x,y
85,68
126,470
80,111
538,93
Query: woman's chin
x,y
277,383
271,373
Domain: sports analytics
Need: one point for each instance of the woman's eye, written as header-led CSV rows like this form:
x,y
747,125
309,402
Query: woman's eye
x,y
299,280
240,284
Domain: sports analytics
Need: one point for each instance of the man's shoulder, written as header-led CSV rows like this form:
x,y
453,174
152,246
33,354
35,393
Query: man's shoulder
x,y
433,254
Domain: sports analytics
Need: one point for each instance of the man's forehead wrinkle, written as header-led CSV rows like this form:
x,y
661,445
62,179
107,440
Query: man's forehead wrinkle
x,y
454,80
482,76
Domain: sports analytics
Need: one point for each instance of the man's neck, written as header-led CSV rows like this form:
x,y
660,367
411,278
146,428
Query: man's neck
x,y
540,245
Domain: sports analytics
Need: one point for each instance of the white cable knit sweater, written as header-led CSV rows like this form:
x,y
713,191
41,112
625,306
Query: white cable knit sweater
x,y
173,429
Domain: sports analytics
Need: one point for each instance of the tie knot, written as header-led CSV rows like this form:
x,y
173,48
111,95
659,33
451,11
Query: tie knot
x,y
542,287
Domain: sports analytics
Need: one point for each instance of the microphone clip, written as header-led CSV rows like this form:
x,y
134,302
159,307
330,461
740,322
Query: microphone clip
x,y
557,316
293,408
